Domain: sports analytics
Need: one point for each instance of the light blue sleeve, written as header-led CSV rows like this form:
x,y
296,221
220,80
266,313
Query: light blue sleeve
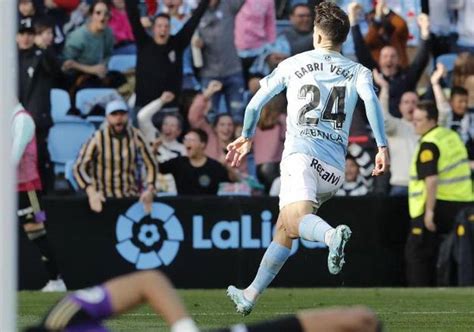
x,y
269,87
23,131
366,91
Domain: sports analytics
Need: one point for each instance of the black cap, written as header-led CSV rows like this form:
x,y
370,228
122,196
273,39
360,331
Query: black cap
x,y
26,25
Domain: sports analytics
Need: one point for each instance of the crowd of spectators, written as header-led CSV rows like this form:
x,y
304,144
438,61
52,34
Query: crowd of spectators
x,y
197,64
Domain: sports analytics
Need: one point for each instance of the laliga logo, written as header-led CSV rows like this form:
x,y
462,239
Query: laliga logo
x,y
149,241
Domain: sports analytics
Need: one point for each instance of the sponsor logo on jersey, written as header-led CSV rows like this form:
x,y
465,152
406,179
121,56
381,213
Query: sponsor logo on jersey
x,y
204,180
329,177
317,133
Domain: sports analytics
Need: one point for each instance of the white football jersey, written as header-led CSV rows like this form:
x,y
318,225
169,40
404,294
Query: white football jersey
x,y
322,91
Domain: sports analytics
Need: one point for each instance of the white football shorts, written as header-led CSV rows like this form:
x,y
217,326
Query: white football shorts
x,y
305,178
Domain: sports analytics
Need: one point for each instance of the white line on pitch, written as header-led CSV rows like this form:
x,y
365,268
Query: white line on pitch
x,y
289,313
210,314
429,312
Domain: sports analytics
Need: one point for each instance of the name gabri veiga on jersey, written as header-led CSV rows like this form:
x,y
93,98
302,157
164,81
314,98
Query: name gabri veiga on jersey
x,y
310,67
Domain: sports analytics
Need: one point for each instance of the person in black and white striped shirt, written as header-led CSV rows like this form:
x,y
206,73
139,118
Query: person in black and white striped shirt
x,y
354,184
107,164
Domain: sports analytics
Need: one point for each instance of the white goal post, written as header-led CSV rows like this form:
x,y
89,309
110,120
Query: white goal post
x,y
8,223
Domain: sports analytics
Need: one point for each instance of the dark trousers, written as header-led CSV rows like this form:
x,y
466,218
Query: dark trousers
x,y
421,249
246,64
421,252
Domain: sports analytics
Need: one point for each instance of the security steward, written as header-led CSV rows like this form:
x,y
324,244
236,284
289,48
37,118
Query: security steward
x,y
440,186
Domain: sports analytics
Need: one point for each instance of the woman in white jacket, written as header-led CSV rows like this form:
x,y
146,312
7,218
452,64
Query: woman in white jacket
x,y
402,139
163,141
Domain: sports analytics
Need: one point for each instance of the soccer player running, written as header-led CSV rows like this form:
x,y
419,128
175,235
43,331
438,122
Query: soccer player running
x,y
322,91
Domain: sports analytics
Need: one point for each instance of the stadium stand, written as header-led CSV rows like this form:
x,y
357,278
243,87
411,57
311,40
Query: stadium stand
x,y
122,63
60,105
62,150
447,60
86,99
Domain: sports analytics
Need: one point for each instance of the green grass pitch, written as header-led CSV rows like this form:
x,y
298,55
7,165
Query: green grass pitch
x,y
400,309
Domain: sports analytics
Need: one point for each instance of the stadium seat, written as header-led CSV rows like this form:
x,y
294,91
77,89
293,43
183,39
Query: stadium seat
x,y
447,60
87,98
65,140
122,63
60,104
96,120
282,25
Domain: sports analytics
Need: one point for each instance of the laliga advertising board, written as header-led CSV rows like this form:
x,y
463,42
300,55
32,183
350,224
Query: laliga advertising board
x,y
150,242
207,242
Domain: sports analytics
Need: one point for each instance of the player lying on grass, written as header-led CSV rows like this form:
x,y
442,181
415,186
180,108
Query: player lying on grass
x,y
322,88
84,310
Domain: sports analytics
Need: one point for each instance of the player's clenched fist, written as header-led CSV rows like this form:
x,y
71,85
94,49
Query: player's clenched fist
x,y
382,162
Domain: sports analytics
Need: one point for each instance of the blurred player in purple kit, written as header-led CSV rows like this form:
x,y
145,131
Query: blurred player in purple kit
x,y
84,310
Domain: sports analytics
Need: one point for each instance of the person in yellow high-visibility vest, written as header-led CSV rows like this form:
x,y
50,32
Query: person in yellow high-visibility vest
x,y
440,186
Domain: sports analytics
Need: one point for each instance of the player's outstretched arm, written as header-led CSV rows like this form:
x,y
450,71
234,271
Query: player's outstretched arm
x,y
365,88
269,87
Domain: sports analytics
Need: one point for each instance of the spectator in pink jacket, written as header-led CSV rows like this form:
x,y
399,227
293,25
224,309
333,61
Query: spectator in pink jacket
x,y
121,28
255,27
269,139
220,133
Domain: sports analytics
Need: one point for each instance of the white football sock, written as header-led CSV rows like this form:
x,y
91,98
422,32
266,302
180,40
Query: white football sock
x,y
328,236
251,294
313,228
184,325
